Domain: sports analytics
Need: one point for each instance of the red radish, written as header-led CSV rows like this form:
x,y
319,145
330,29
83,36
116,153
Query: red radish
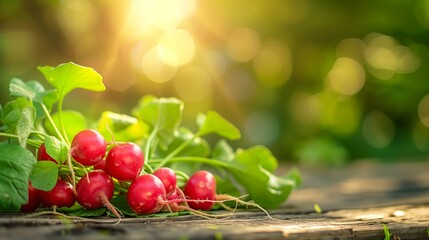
x,y
88,147
94,190
174,195
201,186
125,161
43,155
101,165
33,199
146,194
60,196
168,178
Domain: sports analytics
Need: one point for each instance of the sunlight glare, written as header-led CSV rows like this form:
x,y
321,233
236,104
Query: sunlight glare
x,y
155,68
181,46
146,16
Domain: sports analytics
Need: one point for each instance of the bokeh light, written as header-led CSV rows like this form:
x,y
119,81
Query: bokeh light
x,y
180,45
118,74
386,57
314,81
423,110
154,66
347,76
420,136
84,14
340,114
243,44
273,64
378,129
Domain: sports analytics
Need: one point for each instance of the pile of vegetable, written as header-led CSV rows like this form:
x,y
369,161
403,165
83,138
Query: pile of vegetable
x,y
142,164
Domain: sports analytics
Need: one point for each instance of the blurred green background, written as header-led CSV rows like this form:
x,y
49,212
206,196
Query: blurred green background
x,y
321,82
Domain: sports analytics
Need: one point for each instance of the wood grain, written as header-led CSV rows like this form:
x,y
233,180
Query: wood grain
x,y
356,201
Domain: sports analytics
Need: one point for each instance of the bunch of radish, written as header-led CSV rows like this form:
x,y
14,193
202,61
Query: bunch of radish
x,y
121,164
51,155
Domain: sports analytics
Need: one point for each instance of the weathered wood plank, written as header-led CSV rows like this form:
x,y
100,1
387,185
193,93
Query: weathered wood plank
x,y
404,221
356,201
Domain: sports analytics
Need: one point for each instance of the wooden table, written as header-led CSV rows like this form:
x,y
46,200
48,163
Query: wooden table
x,y
357,200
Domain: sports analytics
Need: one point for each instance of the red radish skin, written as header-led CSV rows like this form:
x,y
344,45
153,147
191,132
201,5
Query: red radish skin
x,y
43,155
60,196
101,165
146,194
125,161
88,147
174,195
201,186
33,199
94,190
168,178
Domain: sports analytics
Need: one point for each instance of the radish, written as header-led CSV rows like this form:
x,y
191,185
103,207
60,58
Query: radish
x,y
43,155
101,165
201,186
168,178
146,194
60,196
125,161
33,199
94,190
88,147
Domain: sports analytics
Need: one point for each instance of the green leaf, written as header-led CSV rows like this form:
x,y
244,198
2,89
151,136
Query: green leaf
x,y
164,115
25,124
317,208
215,123
33,91
226,185
12,113
123,127
68,76
50,97
44,175
57,149
259,155
30,90
19,117
223,151
120,202
16,164
73,120
197,147
386,232
253,168
82,212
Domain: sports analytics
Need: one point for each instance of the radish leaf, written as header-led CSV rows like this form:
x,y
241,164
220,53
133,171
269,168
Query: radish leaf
x,y
215,123
74,122
44,175
163,114
253,168
123,127
16,164
68,76
25,124
57,149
